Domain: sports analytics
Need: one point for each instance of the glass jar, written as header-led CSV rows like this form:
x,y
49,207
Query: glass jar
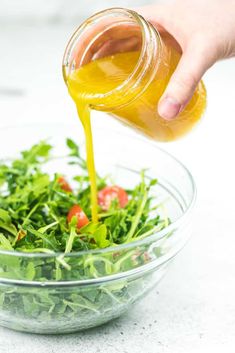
x,y
150,61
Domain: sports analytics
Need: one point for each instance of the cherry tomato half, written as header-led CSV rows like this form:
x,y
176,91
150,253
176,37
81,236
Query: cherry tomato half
x,y
110,193
78,212
64,184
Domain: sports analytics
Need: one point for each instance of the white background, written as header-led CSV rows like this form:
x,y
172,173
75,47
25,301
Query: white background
x,y
193,308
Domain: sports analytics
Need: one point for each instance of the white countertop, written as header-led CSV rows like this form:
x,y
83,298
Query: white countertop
x,y
193,308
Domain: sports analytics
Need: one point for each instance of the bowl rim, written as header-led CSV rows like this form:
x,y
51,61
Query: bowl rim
x,y
154,237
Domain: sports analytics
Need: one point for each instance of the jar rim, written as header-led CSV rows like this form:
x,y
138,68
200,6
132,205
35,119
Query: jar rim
x,y
150,54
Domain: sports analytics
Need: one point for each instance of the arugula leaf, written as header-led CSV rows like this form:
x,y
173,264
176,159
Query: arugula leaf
x,y
5,243
100,236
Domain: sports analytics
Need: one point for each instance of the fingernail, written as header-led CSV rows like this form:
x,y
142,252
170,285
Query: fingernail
x,y
168,108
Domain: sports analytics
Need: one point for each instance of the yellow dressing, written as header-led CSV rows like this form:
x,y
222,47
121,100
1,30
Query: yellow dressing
x,y
84,115
90,87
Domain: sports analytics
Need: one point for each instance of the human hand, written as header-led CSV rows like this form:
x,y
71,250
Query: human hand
x,y
205,31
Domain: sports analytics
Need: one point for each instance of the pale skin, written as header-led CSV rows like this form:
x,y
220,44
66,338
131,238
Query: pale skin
x,y
205,32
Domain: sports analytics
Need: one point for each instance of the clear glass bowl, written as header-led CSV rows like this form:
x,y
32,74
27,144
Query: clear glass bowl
x,y
39,294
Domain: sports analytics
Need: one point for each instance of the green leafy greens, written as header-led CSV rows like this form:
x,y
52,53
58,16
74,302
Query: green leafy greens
x,y
34,207
33,219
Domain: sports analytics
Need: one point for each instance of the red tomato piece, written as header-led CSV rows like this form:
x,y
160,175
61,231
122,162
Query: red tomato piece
x,y
64,184
110,193
78,212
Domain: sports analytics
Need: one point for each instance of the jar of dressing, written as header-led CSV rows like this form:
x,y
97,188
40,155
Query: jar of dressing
x,y
117,62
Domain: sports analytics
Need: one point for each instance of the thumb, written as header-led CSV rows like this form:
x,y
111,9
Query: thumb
x,y
183,82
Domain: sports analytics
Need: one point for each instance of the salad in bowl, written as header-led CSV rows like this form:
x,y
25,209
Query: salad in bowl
x,y
59,270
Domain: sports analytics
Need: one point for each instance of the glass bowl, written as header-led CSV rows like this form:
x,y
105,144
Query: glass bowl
x,y
53,293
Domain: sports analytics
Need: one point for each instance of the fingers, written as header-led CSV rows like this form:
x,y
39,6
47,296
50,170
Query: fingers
x,y
192,65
